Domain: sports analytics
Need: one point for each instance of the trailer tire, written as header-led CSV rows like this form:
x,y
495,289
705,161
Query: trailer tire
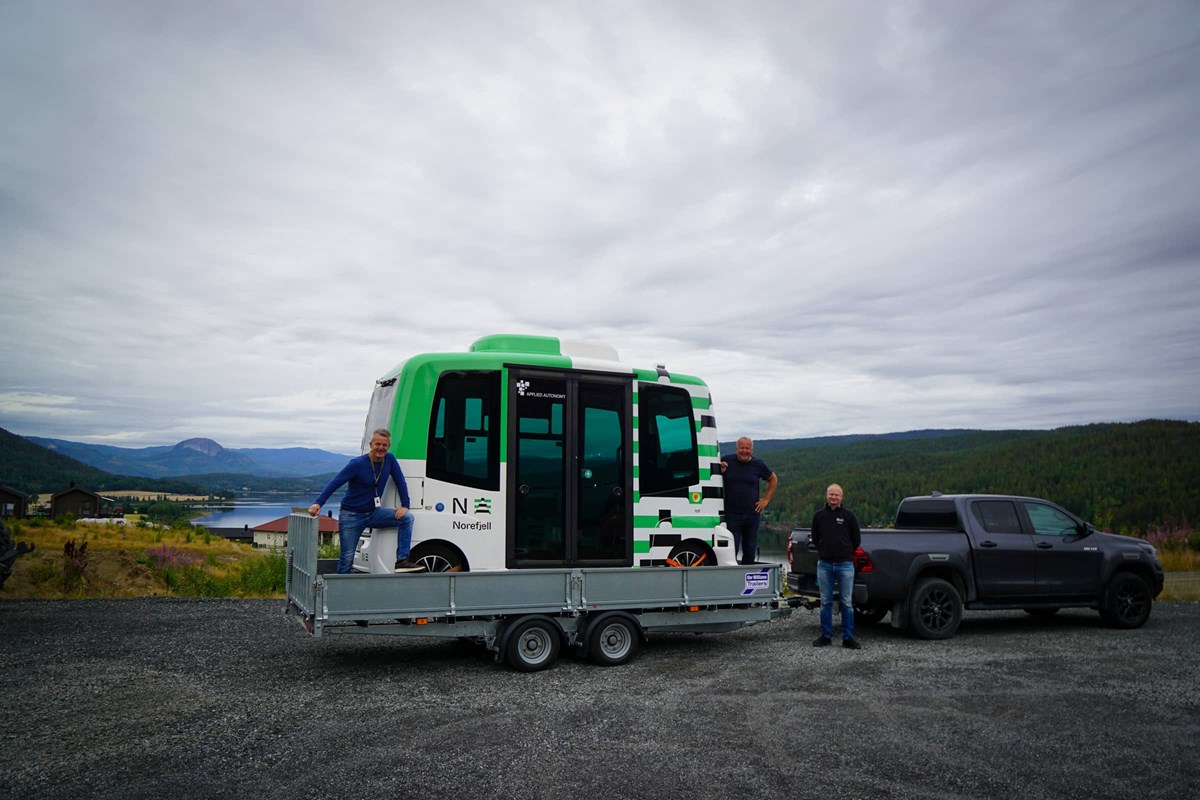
x,y
613,640
935,609
533,644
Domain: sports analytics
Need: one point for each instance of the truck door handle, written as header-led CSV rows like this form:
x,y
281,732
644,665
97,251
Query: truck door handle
x,y
988,543
1044,546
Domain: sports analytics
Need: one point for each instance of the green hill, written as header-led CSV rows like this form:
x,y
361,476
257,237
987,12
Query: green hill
x,y
32,469
1123,477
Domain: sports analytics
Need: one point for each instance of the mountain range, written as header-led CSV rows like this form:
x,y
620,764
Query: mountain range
x,y
197,457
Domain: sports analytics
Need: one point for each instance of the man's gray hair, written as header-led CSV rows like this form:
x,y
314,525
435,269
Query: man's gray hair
x,y
384,432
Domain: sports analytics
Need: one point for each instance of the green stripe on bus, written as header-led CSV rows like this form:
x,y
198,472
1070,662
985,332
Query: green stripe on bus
x,y
677,522
707,450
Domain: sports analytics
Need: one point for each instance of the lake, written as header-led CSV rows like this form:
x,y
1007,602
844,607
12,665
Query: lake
x,y
255,509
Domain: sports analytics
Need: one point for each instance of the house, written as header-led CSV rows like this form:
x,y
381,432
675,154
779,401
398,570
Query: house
x,y
274,533
13,503
79,503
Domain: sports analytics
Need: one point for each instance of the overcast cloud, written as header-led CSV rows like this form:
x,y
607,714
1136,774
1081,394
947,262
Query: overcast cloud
x,y
227,219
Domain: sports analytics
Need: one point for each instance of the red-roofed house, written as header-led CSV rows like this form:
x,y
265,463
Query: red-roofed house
x,y
274,533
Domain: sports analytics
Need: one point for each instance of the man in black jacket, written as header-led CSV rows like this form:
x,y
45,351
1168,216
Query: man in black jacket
x,y
836,535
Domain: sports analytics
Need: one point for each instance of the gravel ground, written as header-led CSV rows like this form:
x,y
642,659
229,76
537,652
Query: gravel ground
x,y
227,698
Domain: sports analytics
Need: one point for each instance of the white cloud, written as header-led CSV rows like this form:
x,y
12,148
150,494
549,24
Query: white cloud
x,y
228,220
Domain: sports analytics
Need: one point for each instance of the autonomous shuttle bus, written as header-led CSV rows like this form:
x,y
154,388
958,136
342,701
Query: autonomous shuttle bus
x,y
531,452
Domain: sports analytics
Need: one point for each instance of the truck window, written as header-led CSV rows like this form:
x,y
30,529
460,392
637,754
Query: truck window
x,y
1049,521
996,516
464,441
666,440
927,514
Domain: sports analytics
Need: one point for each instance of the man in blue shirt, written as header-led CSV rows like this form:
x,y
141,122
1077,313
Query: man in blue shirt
x,y
742,504
362,507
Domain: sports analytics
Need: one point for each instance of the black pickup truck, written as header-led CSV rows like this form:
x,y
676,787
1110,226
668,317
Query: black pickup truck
x,y
950,552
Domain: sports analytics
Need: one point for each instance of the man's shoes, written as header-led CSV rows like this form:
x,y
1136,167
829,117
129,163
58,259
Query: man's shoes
x,y
407,565
821,641
851,644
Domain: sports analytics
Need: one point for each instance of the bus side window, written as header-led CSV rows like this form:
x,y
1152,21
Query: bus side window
x,y
464,439
666,440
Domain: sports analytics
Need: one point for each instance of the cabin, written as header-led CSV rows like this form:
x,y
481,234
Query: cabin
x,y
274,533
79,503
13,503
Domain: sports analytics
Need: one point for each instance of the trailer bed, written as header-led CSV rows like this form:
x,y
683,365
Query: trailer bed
x,y
581,607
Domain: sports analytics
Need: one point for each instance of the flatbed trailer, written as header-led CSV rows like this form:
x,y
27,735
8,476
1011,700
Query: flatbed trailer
x,y
525,617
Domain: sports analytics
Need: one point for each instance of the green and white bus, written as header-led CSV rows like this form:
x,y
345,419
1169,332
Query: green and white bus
x,y
531,452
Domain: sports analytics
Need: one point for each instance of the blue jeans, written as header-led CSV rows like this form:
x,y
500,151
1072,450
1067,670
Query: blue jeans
x,y
744,527
352,523
841,572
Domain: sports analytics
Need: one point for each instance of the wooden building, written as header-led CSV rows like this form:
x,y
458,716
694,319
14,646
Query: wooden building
x,y
79,503
13,503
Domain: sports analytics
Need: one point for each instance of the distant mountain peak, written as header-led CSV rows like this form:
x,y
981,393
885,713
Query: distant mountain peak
x,y
205,446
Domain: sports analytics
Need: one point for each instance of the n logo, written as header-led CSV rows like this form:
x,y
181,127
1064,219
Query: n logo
x,y
458,505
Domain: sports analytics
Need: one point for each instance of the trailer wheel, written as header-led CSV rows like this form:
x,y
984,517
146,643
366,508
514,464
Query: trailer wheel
x,y
935,609
612,640
691,554
438,558
533,645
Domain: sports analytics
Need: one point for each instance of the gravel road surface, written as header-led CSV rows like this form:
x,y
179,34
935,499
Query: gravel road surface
x,y
168,698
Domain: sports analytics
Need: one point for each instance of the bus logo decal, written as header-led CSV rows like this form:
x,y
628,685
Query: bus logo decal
x,y
459,505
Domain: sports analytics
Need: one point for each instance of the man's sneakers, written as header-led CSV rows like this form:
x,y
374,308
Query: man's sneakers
x,y
821,641
407,565
851,644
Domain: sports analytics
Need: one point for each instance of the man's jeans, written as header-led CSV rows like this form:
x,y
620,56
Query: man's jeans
x,y
352,523
744,527
841,573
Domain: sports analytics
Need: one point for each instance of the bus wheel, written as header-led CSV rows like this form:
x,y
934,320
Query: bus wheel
x,y
533,645
438,558
691,554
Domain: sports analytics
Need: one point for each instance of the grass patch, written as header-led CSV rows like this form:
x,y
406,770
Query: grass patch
x,y
110,560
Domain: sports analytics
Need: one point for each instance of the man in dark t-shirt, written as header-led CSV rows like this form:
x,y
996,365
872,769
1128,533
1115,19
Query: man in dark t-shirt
x,y
743,506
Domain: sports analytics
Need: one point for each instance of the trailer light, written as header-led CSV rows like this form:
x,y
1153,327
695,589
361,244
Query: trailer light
x,y
421,620
693,608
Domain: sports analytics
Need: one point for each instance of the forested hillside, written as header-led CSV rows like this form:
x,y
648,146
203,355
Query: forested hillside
x,y
31,468
1122,477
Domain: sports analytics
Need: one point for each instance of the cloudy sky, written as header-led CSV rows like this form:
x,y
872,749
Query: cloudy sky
x,y
227,219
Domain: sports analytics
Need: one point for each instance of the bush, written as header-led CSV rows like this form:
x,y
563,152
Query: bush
x,y
262,576
75,561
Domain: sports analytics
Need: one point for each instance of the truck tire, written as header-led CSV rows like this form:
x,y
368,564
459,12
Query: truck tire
x,y
934,609
532,645
870,615
612,640
1127,601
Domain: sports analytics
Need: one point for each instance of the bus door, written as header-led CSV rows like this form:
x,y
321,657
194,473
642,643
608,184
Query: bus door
x,y
570,476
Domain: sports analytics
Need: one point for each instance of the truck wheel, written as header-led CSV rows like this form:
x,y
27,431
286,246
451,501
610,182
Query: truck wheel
x,y
935,609
691,554
612,640
438,558
1126,601
870,615
533,645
